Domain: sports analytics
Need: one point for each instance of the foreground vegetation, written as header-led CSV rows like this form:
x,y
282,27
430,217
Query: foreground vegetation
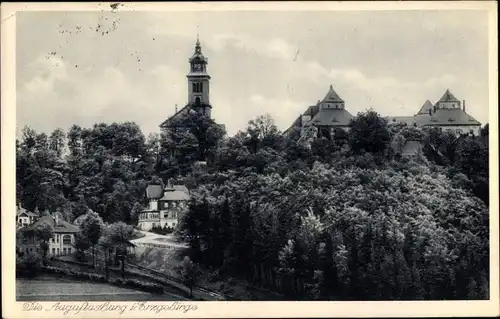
x,y
342,217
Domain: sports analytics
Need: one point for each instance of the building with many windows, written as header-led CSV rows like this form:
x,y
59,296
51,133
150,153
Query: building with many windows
x,y
61,243
165,208
329,114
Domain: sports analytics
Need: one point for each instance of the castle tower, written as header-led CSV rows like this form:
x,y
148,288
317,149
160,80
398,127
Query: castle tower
x,y
199,82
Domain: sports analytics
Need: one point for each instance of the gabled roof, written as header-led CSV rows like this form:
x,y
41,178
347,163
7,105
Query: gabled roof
x,y
21,211
173,194
425,108
331,117
168,121
61,227
448,97
332,96
154,191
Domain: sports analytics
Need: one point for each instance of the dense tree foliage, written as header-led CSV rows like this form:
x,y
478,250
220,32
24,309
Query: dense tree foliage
x,y
339,217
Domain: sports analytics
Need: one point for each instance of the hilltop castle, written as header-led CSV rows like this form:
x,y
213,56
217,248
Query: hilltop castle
x,y
329,114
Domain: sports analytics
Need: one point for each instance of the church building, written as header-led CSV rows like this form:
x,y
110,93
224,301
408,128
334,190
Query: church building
x,y
198,90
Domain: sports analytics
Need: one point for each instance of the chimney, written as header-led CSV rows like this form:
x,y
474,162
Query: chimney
x,y
463,105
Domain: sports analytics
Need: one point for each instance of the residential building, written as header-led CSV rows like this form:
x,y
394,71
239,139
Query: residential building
x,y
165,208
62,242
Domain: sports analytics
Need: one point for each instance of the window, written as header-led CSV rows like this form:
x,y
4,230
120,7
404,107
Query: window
x,y
197,87
58,251
66,240
25,240
197,100
69,250
57,238
31,249
53,251
64,251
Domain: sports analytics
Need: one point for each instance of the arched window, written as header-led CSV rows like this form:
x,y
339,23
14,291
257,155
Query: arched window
x,y
66,240
197,100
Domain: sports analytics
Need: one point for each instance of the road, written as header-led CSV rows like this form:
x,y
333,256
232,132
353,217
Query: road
x,y
156,240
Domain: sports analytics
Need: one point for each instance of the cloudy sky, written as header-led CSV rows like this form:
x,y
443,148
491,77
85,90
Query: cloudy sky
x,y
134,66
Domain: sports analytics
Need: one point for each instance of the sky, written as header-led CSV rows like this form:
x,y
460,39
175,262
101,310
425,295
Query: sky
x,y
134,66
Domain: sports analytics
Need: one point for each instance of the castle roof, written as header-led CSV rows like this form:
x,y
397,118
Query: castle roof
x,y
425,108
332,96
448,97
331,117
452,116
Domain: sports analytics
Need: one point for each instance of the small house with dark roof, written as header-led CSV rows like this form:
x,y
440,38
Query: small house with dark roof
x,y
166,206
24,217
62,241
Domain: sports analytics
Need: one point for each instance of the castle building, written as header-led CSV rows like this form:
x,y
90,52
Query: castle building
x,y
165,208
448,114
323,117
198,90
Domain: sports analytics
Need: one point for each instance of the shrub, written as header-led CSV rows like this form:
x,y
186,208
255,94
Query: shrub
x,y
28,265
75,274
138,284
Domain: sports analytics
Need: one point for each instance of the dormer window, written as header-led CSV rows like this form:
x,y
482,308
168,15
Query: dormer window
x,y
450,120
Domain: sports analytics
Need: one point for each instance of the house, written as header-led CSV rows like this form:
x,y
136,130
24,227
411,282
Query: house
x,y
61,243
165,208
24,217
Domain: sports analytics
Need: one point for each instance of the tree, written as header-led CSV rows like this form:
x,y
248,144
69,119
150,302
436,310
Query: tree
x,y
106,242
369,133
43,233
119,235
91,226
189,273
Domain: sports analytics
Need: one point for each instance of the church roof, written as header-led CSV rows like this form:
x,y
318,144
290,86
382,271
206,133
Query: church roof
x,y
331,117
332,96
425,108
448,97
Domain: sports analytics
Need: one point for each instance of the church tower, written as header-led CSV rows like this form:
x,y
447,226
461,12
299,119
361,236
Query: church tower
x,y
199,82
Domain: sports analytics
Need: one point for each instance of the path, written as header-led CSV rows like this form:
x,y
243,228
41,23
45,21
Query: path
x,y
158,241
